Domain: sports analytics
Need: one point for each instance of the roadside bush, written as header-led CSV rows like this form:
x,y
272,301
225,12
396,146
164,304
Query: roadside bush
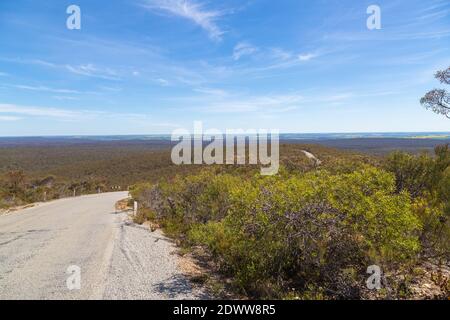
x,y
412,173
315,233
427,179
184,201
16,188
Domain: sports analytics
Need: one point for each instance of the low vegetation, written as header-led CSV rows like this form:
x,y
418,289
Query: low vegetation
x,y
312,232
42,171
309,232
33,173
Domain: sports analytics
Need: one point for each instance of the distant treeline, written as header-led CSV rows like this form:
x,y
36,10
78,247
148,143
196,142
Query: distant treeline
x,y
44,172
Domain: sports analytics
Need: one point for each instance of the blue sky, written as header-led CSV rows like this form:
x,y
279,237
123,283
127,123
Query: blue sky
x,y
151,66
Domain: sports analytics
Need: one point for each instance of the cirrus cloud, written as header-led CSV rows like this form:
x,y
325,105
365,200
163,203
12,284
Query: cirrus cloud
x,y
243,49
190,10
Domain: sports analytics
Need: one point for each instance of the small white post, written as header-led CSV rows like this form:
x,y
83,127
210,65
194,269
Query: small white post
x,y
135,208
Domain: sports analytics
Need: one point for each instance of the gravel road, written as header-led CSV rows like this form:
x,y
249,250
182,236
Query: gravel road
x,y
117,259
309,155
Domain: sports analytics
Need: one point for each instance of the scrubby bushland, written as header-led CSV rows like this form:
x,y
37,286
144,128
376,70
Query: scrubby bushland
x,y
427,180
312,233
308,234
16,188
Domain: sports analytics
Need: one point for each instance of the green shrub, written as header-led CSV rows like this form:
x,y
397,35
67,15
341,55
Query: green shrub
x,y
311,233
314,229
315,232
427,179
413,173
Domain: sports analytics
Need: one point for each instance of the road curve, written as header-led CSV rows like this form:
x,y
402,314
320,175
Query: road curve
x,y
309,155
116,258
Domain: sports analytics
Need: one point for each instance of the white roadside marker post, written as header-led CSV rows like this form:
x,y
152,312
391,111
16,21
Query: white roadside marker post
x,y
135,208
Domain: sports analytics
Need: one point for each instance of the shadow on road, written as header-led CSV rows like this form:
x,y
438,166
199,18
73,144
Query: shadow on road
x,y
178,286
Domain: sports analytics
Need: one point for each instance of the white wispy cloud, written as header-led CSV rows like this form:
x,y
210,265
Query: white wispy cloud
x,y
91,70
276,103
38,111
212,91
266,104
280,54
162,82
269,59
37,62
9,118
3,74
88,69
16,112
243,49
427,20
191,10
46,89
395,35
42,63
110,89
64,98
337,97
306,56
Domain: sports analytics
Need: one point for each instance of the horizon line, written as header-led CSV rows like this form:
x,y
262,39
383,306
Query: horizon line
x,y
169,134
